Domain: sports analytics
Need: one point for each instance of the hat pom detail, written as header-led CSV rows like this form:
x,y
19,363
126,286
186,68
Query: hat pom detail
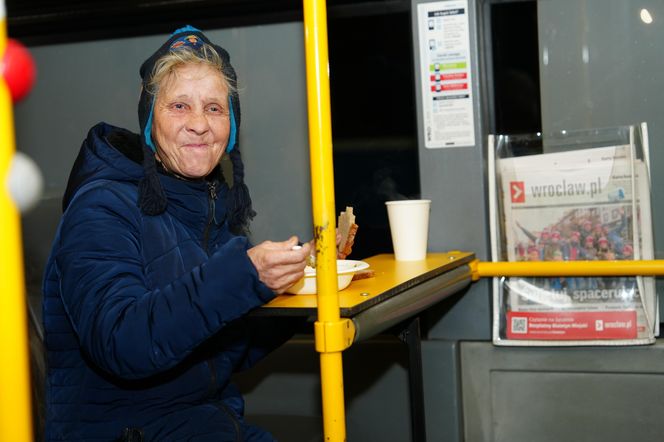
x,y
240,212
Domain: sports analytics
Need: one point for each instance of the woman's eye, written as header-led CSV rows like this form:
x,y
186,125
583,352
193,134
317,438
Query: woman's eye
x,y
178,106
215,109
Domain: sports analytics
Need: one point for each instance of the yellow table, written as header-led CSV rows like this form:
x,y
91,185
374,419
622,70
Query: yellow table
x,y
397,293
414,280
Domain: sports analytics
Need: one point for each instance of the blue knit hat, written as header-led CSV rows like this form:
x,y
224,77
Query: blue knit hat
x,y
152,199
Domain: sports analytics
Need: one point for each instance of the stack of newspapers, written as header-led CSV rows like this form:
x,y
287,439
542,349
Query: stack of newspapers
x,y
580,204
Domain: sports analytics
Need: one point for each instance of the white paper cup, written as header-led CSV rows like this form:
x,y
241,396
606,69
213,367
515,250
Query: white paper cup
x,y
409,226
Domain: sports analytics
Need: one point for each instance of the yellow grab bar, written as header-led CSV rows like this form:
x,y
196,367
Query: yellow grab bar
x,y
567,268
15,414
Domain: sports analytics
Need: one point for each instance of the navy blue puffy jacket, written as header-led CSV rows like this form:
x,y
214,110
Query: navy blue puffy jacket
x,y
145,315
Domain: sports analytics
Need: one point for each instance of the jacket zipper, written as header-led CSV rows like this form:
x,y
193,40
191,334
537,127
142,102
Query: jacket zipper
x,y
212,198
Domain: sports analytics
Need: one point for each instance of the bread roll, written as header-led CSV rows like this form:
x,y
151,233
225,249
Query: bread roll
x,y
347,230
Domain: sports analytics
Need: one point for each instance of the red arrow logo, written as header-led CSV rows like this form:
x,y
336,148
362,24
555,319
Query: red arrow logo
x,y
517,190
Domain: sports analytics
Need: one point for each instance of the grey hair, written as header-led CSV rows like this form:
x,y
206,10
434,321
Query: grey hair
x,y
167,64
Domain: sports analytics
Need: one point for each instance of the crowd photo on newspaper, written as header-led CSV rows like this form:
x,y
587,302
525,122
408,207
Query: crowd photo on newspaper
x,y
581,234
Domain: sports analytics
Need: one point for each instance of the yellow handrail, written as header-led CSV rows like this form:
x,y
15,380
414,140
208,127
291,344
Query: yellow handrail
x,y
15,414
567,268
332,334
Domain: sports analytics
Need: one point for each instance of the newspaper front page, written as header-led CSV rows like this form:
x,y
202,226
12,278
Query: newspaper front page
x,y
573,206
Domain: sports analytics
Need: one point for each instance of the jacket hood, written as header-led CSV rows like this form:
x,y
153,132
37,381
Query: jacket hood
x,y
98,159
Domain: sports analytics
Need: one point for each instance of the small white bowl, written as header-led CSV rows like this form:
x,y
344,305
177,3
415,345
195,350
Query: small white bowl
x,y
346,268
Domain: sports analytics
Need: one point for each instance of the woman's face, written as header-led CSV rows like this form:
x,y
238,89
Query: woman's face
x,y
191,121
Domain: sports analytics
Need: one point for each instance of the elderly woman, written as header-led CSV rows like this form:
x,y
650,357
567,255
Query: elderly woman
x,y
151,276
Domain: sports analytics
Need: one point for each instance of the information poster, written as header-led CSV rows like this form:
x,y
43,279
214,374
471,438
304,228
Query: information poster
x,y
445,72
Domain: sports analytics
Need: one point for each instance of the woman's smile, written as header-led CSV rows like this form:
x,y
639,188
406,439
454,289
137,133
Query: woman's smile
x,y
191,120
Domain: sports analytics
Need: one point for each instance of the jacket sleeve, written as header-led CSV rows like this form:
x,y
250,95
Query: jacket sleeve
x,y
125,328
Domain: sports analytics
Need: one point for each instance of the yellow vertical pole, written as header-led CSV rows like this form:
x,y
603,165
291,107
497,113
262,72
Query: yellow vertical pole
x,y
15,415
322,185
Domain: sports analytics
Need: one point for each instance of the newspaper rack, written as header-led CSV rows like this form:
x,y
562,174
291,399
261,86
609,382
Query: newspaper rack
x,y
572,196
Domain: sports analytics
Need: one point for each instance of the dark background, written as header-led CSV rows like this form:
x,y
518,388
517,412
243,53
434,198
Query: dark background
x,y
516,67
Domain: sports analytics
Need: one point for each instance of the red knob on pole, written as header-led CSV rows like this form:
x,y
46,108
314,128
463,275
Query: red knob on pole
x,y
18,69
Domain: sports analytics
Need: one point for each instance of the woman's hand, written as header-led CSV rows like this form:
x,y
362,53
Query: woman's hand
x,y
278,265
